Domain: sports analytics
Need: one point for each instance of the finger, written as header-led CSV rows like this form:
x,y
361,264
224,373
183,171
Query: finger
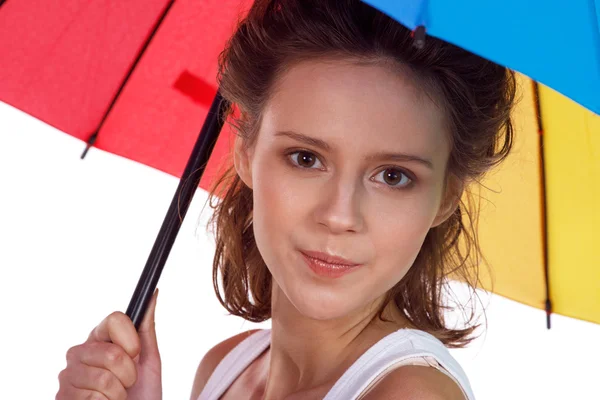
x,y
118,329
95,379
105,355
72,393
147,330
147,324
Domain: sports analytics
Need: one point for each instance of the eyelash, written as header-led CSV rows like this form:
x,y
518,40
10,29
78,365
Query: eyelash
x,y
412,180
297,151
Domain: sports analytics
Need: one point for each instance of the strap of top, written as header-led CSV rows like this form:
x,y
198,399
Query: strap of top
x,y
234,363
394,349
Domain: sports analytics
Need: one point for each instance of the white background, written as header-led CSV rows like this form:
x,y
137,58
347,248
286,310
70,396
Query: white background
x,y
75,235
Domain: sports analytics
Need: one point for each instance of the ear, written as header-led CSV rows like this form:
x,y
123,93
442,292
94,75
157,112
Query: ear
x,y
242,161
453,192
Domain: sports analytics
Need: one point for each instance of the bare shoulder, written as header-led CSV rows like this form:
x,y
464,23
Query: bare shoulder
x,y
416,382
212,358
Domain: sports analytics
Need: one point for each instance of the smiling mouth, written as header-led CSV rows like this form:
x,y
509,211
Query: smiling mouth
x,y
329,259
326,265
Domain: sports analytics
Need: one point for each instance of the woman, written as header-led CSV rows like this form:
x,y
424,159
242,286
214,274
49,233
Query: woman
x,y
340,218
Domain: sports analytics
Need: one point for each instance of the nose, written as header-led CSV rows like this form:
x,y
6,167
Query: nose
x,y
339,208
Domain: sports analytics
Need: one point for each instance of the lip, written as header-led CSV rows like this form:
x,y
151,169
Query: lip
x,y
327,265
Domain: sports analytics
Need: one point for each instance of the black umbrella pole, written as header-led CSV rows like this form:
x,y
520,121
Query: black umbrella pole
x,y
179,205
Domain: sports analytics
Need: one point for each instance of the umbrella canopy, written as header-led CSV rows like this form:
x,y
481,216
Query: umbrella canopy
x,y
137,79
552,42
539,225
140,74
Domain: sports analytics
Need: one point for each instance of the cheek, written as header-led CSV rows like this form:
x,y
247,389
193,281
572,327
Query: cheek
x,y
398,229
274,194
283,197
280,206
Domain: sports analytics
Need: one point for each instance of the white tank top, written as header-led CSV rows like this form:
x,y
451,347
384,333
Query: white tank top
x,y
403,347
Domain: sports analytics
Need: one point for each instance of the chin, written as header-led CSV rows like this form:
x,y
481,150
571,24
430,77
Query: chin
x,y
321,304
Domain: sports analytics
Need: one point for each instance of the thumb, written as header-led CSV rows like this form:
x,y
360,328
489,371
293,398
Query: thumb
x,y
147,331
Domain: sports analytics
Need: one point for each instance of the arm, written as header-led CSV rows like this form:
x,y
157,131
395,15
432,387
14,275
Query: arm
x,y
416,383
212,358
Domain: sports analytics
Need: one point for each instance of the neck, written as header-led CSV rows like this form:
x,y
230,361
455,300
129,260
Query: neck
x,y
309,356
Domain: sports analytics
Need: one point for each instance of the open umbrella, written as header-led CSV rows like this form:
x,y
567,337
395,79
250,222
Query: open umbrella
x,y
540,223
137,78
134,78
553,43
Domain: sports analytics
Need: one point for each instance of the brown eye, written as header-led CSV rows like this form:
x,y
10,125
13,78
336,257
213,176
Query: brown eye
x,y
305,159
394,177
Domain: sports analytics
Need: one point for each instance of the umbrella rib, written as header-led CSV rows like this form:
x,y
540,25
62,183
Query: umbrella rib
x,y
92,139
544,212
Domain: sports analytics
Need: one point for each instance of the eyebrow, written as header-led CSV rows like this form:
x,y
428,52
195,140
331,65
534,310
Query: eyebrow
x,y
305,139
311,141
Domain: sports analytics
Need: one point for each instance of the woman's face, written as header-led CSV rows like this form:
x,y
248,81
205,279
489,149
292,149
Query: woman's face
x,y
349,162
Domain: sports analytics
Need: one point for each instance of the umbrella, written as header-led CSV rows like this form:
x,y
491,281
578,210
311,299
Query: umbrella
x,y
96,70
137,79
539,223
556,45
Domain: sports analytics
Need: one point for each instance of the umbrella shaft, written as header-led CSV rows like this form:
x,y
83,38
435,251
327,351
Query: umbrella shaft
x,y
177,210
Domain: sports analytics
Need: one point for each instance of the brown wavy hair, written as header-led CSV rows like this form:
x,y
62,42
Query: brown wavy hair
x,y
477,95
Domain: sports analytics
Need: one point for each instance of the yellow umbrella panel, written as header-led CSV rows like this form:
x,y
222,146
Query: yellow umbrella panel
x,y
539,223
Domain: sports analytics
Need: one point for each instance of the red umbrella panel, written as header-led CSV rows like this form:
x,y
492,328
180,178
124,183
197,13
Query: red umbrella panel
x,y
140,74
135,78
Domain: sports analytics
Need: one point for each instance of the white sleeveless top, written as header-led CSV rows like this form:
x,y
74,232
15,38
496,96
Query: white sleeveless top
x,y
403,347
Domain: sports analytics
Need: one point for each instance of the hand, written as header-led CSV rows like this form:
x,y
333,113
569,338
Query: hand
x,y
115,362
